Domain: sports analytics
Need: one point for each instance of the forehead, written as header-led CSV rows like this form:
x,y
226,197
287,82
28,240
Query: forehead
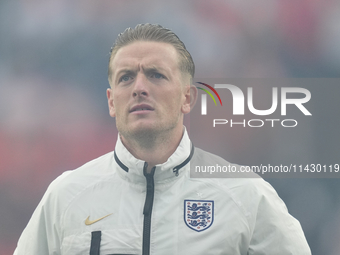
x,y
148,54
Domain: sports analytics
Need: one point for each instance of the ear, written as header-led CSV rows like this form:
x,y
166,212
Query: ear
x,y
190,98
112,110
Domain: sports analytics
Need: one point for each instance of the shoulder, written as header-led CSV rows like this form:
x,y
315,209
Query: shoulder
x,y
46,221
72,182
207,165
246,189
95,168
264,211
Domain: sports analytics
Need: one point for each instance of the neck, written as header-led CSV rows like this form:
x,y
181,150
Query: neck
x,y
154,149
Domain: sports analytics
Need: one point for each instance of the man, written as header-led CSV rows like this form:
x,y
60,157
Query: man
x,y
140,199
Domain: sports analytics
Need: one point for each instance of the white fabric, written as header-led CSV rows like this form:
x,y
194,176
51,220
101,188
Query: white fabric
x,y
249,217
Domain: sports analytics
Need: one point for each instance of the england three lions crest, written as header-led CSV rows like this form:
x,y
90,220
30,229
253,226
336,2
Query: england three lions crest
x,y
198,214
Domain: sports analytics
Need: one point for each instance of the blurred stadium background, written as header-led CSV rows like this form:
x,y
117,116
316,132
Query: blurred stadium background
x,y
53,78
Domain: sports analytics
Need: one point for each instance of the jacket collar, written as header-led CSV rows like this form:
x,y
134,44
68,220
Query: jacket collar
x,y
131,168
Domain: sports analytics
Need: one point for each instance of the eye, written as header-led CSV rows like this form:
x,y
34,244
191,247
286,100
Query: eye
x,y
125,78
157,76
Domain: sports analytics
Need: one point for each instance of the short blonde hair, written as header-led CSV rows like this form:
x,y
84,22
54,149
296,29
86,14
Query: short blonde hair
x,y
154,33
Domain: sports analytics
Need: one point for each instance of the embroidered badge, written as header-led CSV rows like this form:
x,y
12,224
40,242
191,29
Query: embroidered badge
x,y
198,214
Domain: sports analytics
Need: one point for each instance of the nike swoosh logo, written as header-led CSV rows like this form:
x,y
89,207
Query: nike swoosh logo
x,y
90,222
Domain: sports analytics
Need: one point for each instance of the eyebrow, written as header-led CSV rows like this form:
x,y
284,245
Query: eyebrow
x,y
153,70
146,70
125,71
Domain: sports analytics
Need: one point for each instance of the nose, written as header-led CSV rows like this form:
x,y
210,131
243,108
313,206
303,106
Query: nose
x,y
141,86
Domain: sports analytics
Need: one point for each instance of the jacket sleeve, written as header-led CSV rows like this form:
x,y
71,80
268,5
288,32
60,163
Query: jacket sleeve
x,y
275,231
42,233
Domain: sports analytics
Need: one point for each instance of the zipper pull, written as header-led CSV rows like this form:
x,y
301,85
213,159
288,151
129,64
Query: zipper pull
x,y
175,170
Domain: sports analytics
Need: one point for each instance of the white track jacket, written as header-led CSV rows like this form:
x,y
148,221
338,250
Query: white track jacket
x,y
112,206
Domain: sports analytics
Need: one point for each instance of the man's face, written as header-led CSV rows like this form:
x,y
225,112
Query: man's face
x,y
147,92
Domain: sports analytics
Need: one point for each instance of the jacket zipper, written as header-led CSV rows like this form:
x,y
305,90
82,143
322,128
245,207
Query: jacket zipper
x,y
150,189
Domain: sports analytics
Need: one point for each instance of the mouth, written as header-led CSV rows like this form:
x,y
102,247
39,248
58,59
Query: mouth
x,y
141,108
